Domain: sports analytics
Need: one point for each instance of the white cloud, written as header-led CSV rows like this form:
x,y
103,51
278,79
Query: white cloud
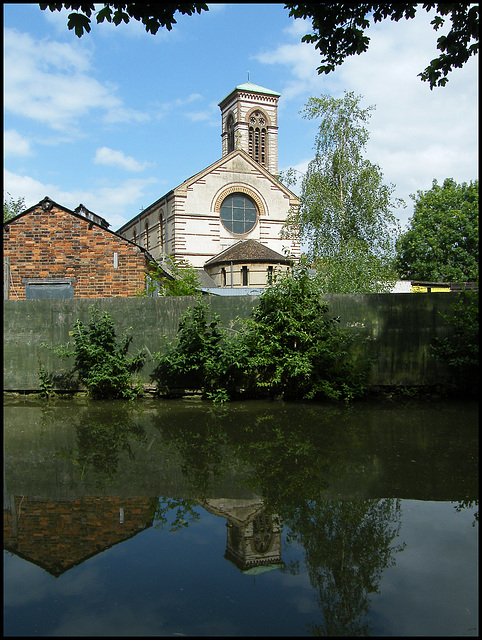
x,y
415,134
162,109
302,59
299,27
49,82
15,144
112,201
113,158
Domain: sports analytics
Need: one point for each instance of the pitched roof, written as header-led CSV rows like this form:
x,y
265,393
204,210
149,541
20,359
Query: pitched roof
x,y
205,279
255,88
248,251
82,212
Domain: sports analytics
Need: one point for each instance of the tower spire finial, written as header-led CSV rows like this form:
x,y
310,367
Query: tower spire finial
x,y
248,76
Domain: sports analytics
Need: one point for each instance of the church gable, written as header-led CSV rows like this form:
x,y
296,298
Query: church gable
x,y
238,163
236,198
233,199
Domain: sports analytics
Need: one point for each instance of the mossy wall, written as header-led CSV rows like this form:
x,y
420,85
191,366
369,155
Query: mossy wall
x,y
399,327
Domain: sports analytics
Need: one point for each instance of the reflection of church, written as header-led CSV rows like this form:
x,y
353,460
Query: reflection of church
x,y
226,220
253,536
58,535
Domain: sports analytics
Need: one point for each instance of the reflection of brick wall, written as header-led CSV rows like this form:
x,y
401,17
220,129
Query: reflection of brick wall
x,y
60,535
60,244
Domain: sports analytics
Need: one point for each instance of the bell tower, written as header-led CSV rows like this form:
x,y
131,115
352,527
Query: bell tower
x,y
249,116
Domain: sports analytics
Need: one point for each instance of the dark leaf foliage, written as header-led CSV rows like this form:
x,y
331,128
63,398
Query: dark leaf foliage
x,y
153,16
338,28
289,348
101,359
339,31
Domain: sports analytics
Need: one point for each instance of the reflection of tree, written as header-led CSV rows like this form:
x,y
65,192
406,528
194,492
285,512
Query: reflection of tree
x,y
348,544
290,459
100,440
180,512
199,439
468,504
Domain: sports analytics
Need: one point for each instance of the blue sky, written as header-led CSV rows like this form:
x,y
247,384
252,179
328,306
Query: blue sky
x,y
117,118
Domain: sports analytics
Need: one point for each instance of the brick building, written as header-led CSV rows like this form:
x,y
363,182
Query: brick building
x,y
58,535
52,252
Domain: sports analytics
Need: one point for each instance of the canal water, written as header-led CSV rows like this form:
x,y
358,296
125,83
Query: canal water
x,y
179,517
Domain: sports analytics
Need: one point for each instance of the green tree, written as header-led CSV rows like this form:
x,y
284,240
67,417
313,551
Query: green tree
x,y
442,240
338,28
460,350
185,281
345,212
12,207
200,358
289,348
152,16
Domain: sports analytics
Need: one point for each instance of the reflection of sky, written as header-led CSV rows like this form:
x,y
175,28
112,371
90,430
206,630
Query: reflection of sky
x,y
161,583
433,589
157,583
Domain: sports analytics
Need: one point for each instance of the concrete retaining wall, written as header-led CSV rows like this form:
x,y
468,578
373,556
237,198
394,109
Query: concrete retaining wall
x,y
400,328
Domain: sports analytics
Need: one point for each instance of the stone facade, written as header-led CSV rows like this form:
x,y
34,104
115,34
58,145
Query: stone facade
x,y
49,247
188,222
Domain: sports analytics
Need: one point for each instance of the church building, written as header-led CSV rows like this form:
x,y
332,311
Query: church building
x,y
226,220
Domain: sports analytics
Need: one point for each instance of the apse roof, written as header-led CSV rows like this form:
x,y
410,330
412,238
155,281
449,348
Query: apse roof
x,y
248,251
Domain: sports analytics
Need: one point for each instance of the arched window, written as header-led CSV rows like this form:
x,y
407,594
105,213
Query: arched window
x,y
146,245
257,137
134,236
238,213
223,277
161,230
230,130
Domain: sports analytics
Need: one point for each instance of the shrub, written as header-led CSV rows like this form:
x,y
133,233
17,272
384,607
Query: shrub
x,y
289,348
101,360
201,358
295,350
460,350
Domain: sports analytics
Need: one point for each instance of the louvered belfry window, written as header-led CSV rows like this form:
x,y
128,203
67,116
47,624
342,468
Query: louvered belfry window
x,y
257,137
230,130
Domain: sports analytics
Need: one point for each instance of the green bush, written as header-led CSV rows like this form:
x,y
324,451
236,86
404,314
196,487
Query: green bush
x,y
102,362
185,279
289,348
201,358
295,350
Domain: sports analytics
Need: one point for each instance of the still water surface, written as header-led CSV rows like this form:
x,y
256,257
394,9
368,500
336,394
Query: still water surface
x,y
257,518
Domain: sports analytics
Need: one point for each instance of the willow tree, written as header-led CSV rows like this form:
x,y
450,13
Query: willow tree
x,y
345,218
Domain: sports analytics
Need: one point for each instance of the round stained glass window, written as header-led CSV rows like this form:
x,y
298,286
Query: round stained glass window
x,y
238,213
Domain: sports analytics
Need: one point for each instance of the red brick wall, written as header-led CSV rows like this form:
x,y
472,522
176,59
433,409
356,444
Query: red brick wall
x,y
58,244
